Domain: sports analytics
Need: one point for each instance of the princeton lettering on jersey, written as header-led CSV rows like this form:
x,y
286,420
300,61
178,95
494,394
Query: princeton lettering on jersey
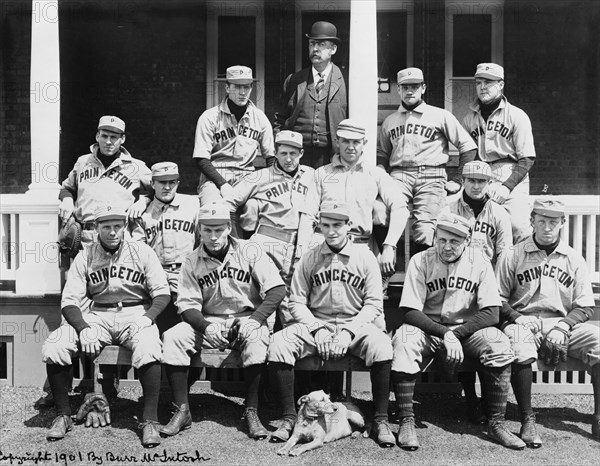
x,y
90,173
285,187
456,283
419,130
495,126
114,175
242,130
229,273
327,276
124,273
485,228
170,224
547,271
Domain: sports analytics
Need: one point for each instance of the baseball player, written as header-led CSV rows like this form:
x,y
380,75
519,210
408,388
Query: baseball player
x,y
221,285
129,290
169,227
491,231
280,190
547,300
450,304
413,146
349,178
504,139
107,175
337,306
230,136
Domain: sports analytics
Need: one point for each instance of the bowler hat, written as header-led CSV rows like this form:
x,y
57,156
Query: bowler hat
x,y
322,30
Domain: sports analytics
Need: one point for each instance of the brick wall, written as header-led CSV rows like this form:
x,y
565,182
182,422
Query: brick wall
x,y
551,59
143,61
15,148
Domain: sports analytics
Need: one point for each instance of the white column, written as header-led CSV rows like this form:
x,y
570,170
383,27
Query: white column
x,y
38,271
363,70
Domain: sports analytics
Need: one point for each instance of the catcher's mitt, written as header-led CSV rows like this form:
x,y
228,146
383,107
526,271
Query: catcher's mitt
x,y
69,238
552,353
95,410
233,331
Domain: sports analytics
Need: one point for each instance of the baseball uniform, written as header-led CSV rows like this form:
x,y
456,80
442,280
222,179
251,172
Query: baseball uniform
x,y
337,291
230,145
450,294
413,145
359,187
122,286
504,139
169,229
549,287
491,231
92,185
222,291
279,198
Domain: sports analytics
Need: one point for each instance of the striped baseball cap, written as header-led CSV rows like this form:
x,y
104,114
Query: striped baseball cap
x,y
350,129
454,224
477,169
549,207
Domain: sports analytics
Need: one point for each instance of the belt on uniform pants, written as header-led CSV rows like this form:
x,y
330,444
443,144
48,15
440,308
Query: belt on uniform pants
x,y
120,304
276,233
416,167
359,239
172,267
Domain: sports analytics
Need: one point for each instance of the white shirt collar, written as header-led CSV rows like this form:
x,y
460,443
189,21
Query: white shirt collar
x,y
324,73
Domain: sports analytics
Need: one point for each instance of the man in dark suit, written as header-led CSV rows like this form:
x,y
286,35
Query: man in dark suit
x,y
315,99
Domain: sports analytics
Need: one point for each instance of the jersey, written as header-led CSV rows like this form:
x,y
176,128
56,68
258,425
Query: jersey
x,y
279,196
450,294
420,137
548,286
505,137
92,185
169,229
132,273
230,144
491,231
229,287
358,186
343,289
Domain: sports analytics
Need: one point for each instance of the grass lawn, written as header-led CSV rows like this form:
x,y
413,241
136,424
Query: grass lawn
x,y
218,434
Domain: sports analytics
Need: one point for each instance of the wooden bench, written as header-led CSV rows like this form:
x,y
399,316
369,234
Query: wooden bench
x,y
231,359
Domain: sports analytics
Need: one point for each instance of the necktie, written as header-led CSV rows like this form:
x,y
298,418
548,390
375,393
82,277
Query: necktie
x,y
320,84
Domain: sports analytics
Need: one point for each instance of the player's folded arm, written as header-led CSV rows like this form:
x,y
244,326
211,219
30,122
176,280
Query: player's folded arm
x,y
273,298
159,304
422,321
578,315
486,317
196,319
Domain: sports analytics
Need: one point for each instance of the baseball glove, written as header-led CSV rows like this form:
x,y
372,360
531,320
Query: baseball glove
x,y
69,238
94,410
552,353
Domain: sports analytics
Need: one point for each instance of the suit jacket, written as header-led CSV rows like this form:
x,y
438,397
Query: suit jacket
x,y
296,87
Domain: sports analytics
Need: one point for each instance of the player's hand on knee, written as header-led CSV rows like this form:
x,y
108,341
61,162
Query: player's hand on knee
x,y
454,350
216,335
340,343
249,329
323,341
134,327
387,261
452,187
138,207
89,339
532,323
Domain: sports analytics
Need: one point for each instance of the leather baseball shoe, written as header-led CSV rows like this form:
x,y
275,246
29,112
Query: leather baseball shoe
x,y
383,434
407,434
59,428
529,433
285,430
498,432
150,435
255,428
181,420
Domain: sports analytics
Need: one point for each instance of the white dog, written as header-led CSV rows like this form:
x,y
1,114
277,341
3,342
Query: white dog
x,y
321,421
